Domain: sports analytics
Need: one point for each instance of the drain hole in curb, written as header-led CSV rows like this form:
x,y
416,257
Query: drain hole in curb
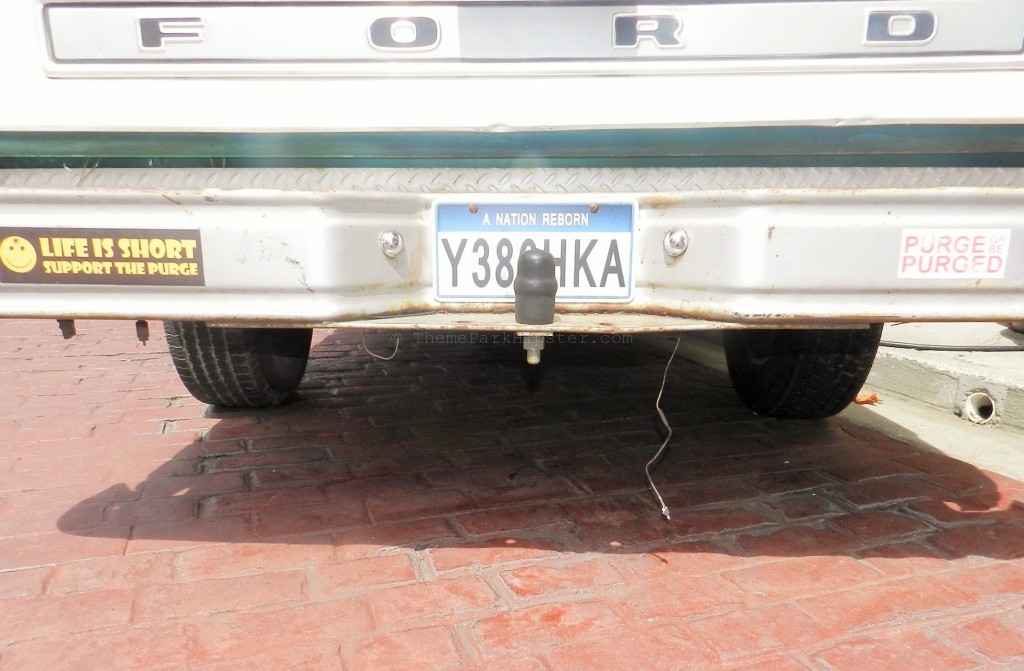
x,y
979,408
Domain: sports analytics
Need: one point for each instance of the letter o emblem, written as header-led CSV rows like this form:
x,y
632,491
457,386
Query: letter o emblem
x,y
895,28
404,32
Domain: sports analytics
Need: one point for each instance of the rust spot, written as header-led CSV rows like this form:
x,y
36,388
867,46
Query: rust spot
x,y
771,231
660,200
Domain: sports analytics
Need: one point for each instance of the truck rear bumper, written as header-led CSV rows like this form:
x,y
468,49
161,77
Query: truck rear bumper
x,y
303,247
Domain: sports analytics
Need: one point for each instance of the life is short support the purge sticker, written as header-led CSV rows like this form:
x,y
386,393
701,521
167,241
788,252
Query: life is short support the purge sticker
x,y
101,256
969,253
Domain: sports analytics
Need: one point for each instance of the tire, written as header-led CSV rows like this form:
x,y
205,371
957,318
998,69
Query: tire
x,y
800,374
238,367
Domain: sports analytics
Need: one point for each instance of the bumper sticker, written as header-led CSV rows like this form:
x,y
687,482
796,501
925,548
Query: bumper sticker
x,y
101,256
959,253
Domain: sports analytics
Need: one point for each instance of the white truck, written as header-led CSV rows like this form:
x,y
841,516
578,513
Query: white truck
x,y
795,173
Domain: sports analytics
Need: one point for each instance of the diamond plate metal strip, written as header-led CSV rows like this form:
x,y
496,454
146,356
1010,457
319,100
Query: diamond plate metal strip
x,y
519,180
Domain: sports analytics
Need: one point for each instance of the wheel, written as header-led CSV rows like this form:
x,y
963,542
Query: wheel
x,y
238,367
800,374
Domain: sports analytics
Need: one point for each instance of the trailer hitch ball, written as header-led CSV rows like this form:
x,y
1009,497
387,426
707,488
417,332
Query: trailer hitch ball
x,y
535,287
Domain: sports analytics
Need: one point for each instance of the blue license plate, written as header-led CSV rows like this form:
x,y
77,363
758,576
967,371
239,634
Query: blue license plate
x,y
478,245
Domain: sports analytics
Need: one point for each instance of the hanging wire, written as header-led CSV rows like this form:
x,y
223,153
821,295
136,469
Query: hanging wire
x,y
397,337
952,348
661,450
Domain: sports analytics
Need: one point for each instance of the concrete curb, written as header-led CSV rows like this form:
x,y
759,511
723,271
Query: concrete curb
x,y
979,386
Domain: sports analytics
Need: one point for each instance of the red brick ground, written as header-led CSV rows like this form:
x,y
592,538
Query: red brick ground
x,y
450,509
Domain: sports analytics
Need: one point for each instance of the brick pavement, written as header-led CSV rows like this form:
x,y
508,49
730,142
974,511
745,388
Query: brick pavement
x,y
452,509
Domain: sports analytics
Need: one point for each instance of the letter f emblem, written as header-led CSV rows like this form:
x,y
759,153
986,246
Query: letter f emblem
x,y
156,33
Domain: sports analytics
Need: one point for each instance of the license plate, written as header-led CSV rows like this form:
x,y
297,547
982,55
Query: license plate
x,y
479,244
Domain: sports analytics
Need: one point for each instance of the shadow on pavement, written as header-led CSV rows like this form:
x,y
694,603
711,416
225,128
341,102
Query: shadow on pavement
x,y
459,446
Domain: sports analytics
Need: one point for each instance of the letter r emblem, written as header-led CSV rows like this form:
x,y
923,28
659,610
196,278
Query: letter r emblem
x,y
662,29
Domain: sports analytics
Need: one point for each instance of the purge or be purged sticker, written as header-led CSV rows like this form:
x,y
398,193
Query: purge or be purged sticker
x,y
958,253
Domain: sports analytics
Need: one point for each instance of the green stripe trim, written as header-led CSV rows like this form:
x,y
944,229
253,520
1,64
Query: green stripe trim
x,y
804,145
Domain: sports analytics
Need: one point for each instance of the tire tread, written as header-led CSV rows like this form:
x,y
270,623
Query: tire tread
x,y
814,374
222,366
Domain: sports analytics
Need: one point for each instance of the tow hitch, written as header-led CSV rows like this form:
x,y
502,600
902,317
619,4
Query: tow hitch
x,y
535,287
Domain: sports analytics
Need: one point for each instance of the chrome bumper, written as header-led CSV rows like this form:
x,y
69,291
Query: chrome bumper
x,y
302,247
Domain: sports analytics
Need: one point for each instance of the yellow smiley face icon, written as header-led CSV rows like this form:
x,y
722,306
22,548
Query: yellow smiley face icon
x,y
17,254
